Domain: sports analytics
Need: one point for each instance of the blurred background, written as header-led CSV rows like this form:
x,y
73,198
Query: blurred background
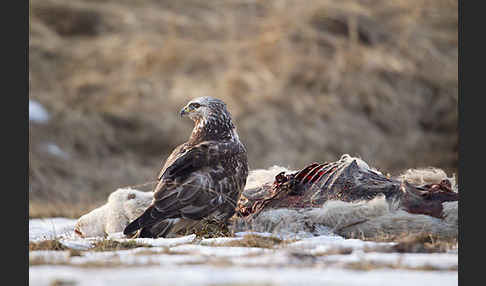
x,y
305,81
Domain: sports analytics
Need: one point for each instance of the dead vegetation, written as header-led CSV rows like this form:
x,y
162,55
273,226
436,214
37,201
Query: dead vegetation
x,y
101,245
209,229
370,265
51,244
62,282
414,243
59,208
424,243
251,240
113,245
305,81
337,251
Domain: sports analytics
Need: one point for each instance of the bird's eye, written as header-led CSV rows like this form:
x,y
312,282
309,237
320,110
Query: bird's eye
x,y
195,105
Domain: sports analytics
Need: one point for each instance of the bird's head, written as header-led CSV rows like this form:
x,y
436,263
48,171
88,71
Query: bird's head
x,y
206,109
212,119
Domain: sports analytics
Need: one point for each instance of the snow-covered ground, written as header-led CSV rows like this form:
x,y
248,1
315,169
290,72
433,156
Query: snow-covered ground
x,y
37,112
319,260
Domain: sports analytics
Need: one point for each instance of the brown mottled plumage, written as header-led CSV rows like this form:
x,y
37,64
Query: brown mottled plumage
x,y
202,179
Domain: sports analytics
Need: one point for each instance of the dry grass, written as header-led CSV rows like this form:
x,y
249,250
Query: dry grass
x,y
113,245
305,81
414,243
40,209
251,240
102,245
207,229
337,251
144,252
369,265
46,245
425,243
52,245
61,282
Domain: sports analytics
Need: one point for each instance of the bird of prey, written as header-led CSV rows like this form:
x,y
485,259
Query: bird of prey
x,y
202,179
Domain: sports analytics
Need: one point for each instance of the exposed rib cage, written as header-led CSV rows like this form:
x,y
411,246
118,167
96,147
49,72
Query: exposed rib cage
x,y
348,179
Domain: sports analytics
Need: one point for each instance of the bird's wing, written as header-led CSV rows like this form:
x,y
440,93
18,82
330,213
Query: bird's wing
x,y
189,159
178,151
200,180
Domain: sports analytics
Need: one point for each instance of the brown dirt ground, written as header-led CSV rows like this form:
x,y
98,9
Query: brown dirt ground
x,y
305,81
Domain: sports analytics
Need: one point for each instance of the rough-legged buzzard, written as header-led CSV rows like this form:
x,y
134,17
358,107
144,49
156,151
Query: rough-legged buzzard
x,y
202,178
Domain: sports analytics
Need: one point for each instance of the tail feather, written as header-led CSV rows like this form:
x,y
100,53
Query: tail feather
x,y
146,219
159,229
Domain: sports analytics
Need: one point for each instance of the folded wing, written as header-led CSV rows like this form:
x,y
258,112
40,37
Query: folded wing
x,y
201,181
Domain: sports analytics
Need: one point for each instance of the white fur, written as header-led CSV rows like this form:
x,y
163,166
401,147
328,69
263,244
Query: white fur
x,y
258,177
339,214
118,211
369,219
425,176
375,218
280,221
358,219
123,206
450,212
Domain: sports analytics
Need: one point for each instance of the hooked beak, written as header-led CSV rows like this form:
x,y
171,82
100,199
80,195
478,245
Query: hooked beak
x,y
184,111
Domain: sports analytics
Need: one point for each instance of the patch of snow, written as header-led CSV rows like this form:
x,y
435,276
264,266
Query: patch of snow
x,y
212,275
189,261
37,112
49,256
438,260
53,149
116,235
222,251
164,242
335,241
263,234
218,240
415,260
77,244
50,228
138,257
